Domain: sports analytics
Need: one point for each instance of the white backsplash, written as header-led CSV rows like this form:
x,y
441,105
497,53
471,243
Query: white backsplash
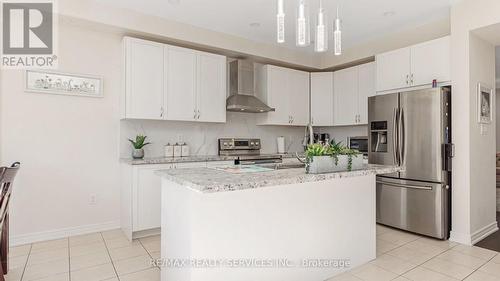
x,y
202,137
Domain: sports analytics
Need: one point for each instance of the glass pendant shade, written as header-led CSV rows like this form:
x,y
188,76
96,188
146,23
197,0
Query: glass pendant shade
x,y
337,36
280,22
321,36
302,29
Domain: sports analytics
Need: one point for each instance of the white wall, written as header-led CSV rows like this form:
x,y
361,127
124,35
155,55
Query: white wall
x,y
483,150
472,176
68,146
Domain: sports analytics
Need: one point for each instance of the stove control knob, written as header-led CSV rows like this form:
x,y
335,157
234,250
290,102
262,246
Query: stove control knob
x,y
251,144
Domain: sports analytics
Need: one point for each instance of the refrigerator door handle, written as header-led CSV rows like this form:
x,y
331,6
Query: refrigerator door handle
x,y
426,187
395,138
401,137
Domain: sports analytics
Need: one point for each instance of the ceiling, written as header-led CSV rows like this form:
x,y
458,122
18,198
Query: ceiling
x,y
362,20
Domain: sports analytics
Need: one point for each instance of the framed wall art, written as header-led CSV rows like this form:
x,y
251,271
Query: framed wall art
x,y
49,82
484,104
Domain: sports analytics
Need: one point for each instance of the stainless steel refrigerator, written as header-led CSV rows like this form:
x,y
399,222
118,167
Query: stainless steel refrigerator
x,y
413,130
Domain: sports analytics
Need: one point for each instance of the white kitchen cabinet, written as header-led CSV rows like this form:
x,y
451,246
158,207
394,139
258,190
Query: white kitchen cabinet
x,y
173,83
393,69
345,103
352,87
417,65
366,88
143,80
431,60
141,197
286,90
299,97
322,98
180,84
211,89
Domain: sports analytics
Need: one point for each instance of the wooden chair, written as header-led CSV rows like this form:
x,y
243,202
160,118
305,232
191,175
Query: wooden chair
x,y
7,175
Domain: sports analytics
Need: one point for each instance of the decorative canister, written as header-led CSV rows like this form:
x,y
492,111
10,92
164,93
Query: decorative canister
x,y
184,150
169,150
177,150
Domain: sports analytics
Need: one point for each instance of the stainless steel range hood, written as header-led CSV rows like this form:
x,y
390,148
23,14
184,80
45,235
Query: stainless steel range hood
x,y
242,89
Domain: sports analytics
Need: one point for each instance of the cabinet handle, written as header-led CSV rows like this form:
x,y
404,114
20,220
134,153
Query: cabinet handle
x,y
407,79
161,111
199,114
411,79
194,117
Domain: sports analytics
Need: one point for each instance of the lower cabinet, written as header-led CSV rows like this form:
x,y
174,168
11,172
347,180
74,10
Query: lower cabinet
x,y
141,197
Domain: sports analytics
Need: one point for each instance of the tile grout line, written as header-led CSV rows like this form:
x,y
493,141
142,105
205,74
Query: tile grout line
x,y
26,263
152,259
418,265
109,255
477,269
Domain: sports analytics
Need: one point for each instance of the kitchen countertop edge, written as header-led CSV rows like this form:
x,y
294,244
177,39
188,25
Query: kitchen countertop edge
x,y
210,180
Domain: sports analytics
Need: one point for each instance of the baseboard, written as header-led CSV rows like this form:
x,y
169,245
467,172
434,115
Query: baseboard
x,y
62,233
484,232
461,238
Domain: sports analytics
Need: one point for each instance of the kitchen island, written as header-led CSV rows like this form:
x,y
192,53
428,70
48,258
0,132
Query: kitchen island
x,y
261,224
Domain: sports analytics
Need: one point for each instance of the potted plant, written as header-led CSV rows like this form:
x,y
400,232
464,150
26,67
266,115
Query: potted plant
x,y
332,157
138,144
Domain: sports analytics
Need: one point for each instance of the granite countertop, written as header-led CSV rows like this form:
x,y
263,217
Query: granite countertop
x,y
210,180
194,158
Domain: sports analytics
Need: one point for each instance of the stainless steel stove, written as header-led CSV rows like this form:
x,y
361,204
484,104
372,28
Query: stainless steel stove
x,y
246,151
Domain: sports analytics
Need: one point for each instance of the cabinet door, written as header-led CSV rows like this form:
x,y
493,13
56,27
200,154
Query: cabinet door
x,y
278,97
143,79
211,87
322,98
146,197
298,97
181,84
431,60
345,93
393,70
366,89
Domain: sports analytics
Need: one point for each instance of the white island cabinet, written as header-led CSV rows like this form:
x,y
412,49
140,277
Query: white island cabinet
x,y
266,225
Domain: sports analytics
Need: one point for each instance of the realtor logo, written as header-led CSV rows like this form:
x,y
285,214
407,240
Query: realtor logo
x,y
28,34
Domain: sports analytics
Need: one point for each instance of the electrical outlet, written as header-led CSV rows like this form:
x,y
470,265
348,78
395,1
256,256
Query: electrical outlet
x,y
93,199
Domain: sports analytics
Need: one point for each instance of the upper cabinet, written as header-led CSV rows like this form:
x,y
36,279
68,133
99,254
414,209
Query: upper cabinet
x,y
165,82
180,84
431,60
286,90
143,79
351,89
416,65
366,88
322,98
211,93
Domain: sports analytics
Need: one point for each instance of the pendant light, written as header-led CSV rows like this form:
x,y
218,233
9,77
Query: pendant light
x,y
337,36
280,21
321,40
303,35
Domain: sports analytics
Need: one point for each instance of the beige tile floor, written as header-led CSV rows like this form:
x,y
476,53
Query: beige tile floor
x,y
110,256
94,257
402,256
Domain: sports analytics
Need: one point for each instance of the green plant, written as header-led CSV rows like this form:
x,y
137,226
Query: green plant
x,y
333,149
139,142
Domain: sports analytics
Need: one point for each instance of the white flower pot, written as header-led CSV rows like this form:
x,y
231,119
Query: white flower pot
x,y
327,164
